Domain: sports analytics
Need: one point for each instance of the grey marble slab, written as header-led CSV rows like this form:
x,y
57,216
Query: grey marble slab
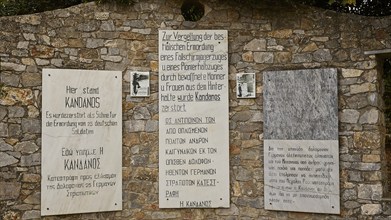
x,y
301,104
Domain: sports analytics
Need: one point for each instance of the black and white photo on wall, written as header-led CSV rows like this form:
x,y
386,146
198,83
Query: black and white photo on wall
x,y
139,84
245,85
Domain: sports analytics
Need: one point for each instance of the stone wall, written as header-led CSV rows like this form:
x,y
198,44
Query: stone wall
x,y
270,36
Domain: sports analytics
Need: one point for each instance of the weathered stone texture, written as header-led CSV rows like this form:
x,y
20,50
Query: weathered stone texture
x,y
264,37
9,190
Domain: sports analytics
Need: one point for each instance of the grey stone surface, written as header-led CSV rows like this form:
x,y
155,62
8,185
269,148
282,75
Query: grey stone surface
x,y
16,112
26,147
322,55
349,116
30,125
263,57
301,105
32,214
94,43
34,198
152,126
370,191
370,117
3,130
256,45
5,146
30,160
302,58
9,190
3,112
6,159
9,79
371,209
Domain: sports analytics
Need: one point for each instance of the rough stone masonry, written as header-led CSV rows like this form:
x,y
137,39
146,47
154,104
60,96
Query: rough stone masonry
x,y
270,36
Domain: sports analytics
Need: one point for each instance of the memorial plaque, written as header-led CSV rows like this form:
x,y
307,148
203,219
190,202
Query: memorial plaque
x,y
301,153
193,119
81,141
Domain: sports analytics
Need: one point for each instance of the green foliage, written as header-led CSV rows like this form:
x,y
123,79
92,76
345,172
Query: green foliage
x,y
19,7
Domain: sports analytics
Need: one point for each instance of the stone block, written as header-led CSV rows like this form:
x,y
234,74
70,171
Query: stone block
x,y
349,116
371,209
248,56
370,117
4,132
13,66
94,43
5,146
152,126
9,190
284,33
9,79
263,57
26,147
322,55
30,160
256,45
361,88
34,198
32,214
16,112
134,126
31,79
31,178
366,139
6,159
107,26
370,191
348,73
31,125
302,58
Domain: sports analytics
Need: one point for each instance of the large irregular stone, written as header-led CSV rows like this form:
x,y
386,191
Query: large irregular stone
x,y
322,55
4,131
370,117
349,116
263,57
6,159
367,139
34,198
17,95
16,112
12,66
371,209
361,88
256,45
32,214
347,73
30,160
26,147
9,190
370,191
5,146
31,125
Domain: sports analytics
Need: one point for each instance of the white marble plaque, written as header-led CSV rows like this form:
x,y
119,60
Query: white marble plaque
x,y
81,141
302,176
301,153
193,119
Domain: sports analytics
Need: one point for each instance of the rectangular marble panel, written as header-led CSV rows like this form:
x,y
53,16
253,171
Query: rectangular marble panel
x,y
301,153
81,141
193,119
